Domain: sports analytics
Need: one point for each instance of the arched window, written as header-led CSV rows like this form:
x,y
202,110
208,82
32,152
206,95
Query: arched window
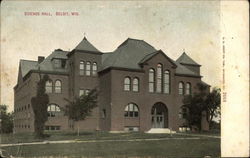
x,y
151,80
48,87
81,68
159,78
188,89
181,88
53,110
88,68
135,84
58,86
94,69
127,83
131,110
166,82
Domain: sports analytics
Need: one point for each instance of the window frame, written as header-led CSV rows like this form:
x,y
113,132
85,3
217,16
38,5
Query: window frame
x,y
94,69
56,87
81,68
159,78
131,110
167,84
151,74
49,86
88,68
188,88
181,89
136,84
127,85
53,112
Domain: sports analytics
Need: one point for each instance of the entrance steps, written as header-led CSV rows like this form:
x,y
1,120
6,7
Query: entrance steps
x,y
160,130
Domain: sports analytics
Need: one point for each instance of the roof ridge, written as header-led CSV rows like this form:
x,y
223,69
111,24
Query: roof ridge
x,y
28,60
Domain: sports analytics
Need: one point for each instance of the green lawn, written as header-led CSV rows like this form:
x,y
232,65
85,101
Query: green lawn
x,y
29,137
158,148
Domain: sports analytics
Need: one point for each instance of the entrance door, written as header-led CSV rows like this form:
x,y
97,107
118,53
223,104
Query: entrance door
x,y
159,115
158,120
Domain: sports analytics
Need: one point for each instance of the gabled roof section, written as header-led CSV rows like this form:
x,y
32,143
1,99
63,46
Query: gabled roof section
x,y
85,45
27,65
127,55
185,59
149,56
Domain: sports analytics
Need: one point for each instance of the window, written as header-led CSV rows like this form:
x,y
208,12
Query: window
x,y
188,88
88,68
181,88
135,84
131,110
53,110
81,68
87,91
94,69
81,92
57,63
159,78
151,80
48,87
58,86
127,84
166,82
52,128
103,113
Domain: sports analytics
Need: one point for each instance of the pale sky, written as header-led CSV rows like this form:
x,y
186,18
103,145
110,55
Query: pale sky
x,y
169,26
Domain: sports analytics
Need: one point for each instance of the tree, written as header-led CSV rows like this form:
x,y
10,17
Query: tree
x,y
200,102
39,105
212,104
6,120
81,107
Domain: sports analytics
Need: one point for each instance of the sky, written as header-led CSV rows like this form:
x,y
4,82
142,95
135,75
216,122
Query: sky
x,y
172,26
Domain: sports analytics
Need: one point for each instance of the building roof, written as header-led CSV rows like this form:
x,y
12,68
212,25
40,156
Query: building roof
x,y
86,45
128,54
185,59
45,65
27,65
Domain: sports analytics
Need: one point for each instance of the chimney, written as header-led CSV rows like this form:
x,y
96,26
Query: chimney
x,y
40,59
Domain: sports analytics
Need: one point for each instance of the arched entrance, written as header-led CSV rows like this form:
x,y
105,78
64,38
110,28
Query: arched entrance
x,y
159,113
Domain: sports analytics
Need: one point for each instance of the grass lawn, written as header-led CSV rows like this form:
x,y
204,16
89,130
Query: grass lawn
x,y
101,135
156,148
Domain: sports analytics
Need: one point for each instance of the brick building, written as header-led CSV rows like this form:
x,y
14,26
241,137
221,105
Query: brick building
x,y
140,87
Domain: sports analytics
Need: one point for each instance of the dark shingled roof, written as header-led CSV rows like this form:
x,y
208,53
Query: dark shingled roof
x,y
185,59
128,54
27,65
86,45
46,65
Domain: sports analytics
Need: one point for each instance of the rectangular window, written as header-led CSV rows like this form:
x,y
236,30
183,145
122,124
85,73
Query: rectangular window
x,y
57,63
88,68
81,68
103,113
81,92
87,91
